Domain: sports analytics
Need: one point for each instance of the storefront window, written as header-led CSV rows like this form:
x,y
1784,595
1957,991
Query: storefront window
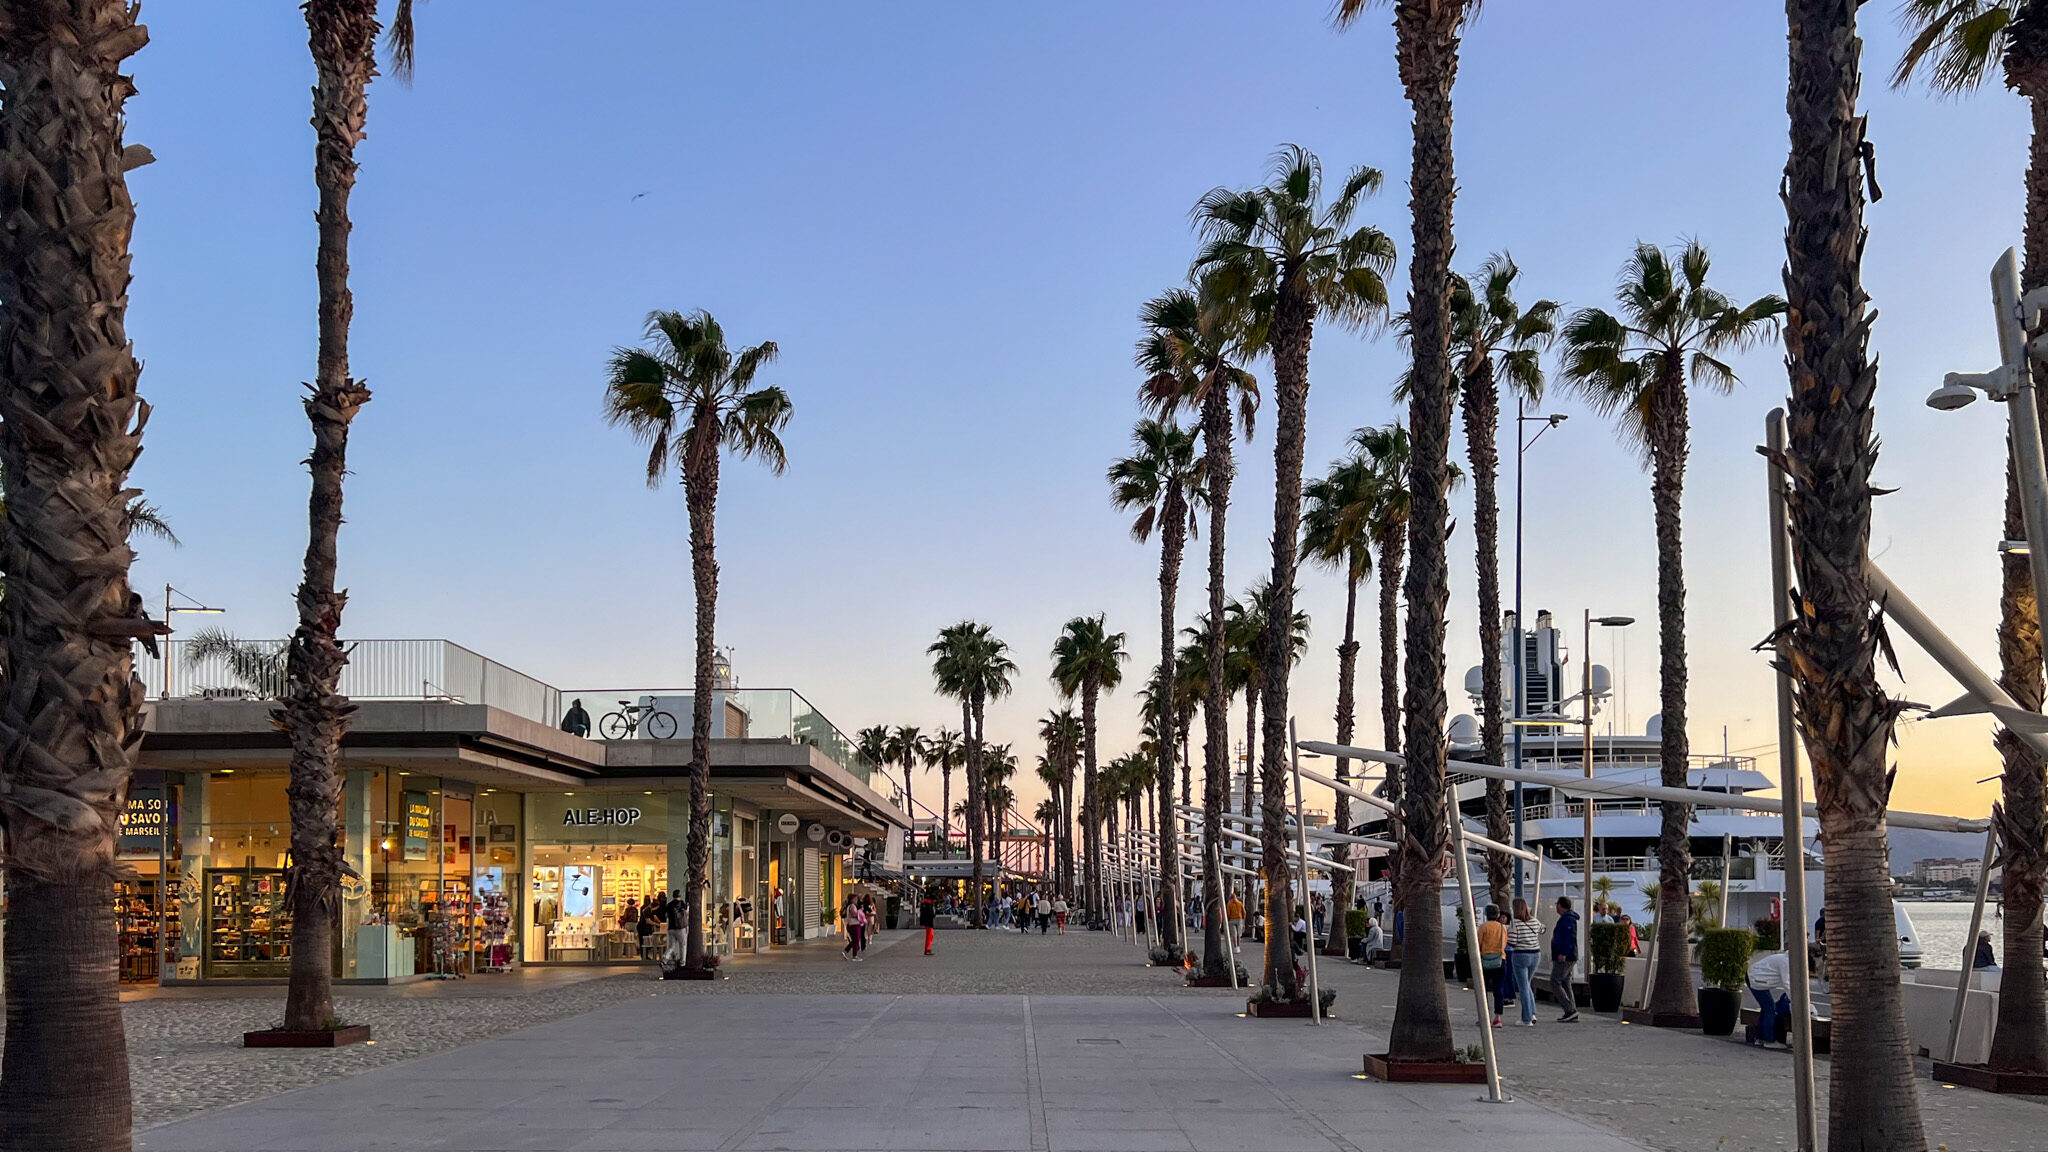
x,y
593,856
146,906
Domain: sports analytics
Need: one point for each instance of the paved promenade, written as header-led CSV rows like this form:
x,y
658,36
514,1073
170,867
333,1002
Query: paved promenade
x,y
1001,1041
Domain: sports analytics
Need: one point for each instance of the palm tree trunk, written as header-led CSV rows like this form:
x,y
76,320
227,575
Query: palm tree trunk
x,y
976,788
1668,430
1347,706
1481,407
946,804
1427,35
909,799
70,428
1091,797
1844,715
1173,541
343,38
1393,549
1216,456
1251,744
700,493
2019,1043
1293,330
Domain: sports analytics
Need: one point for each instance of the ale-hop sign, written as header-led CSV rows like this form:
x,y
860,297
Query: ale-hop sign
x,y
586,817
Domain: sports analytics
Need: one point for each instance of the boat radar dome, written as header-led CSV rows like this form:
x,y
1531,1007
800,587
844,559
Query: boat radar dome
x,y
1603,682
1464,729
1475,682
1654,727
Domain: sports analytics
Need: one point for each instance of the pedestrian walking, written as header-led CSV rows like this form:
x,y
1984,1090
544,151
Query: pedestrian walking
x,y
1564,959
1493,957
1043,907
927,916
674,915
849,923
652,918
1525,947
1770,981
1059,913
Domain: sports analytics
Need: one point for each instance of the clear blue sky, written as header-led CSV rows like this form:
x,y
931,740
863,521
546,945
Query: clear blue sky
x,y
947,216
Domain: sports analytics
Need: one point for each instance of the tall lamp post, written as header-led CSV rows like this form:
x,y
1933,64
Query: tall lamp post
x,y
1523,443
193,608
1586,853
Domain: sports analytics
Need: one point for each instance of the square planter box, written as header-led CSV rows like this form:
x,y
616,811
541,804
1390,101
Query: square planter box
x,y
1222,981
1984,1079
1451,1072
1661,1019
1279,1010
690,974
316,1038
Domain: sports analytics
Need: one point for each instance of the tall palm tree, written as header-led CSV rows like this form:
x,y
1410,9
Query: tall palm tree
x,y
872,743
971,665
1844,715
1088,660
1636,367
1061,732
1281,254
70,428
1426,51
343,41
1162,480
690,397
1385,450
1336,531
1191,357
943,754
1957,43
907,745
1493,341
997,767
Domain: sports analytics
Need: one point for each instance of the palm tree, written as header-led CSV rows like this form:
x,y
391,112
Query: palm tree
x,y
1385,449
1061,732
1088,660
1162,479
1845,716
70,428
998,766
1636,368
1426,50
1190,359
971,665
691,397
943,753
1336,531
1493,341
1958,42
907,746
259,666
1280,254
343,39
872,743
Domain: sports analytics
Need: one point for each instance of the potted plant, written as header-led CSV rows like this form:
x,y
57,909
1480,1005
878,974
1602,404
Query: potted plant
x,y
1724,961
1608,945
1356,922
1462,962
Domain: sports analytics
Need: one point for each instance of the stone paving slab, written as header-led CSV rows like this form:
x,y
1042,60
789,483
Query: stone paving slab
x,y
987,1073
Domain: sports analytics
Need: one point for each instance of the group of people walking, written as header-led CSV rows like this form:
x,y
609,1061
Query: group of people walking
x,y
1509,948
857,918
660,914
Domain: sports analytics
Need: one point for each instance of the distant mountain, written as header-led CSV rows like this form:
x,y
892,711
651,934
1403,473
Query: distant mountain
x,y
1913,844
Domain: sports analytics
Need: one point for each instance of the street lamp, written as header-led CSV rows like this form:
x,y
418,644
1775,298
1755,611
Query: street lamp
x,y
2013,382
1523,442
193,608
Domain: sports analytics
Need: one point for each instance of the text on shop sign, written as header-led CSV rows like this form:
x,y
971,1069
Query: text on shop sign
x,y
594,816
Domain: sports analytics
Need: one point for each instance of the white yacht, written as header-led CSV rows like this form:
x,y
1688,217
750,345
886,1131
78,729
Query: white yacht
x,y
1745,846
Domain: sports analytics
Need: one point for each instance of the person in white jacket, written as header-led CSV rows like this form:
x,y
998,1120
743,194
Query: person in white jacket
x,y
1770,981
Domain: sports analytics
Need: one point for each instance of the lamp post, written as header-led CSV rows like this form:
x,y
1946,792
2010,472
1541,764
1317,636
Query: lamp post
x,y
194,608
2013,382
1522,445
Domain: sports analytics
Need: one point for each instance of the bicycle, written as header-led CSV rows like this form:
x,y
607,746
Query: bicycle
x,y
621,725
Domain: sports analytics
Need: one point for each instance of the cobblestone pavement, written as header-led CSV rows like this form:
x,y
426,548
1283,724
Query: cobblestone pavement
x,y
185,1053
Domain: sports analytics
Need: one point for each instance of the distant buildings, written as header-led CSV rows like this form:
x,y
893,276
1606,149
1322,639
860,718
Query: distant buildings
x,y
1946,870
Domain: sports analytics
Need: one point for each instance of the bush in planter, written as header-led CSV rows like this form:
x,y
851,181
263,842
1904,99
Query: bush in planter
x,y
1164,957
1607,952
1724,961
1461,962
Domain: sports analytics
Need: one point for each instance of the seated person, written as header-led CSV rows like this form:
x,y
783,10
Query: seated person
x,y
1375,939
1770,981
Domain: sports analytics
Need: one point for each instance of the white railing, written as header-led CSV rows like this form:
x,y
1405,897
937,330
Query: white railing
x,y
377,670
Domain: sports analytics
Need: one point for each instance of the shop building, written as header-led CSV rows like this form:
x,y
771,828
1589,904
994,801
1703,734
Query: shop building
x,y
482,836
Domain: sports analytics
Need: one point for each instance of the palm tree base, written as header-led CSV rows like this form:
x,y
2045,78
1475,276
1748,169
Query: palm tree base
x,y
307,1037
1660,1019
1982,1078
1278,1009
1424,1071
689,974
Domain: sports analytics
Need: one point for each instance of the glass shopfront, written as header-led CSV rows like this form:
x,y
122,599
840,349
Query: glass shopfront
x,y
595,859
